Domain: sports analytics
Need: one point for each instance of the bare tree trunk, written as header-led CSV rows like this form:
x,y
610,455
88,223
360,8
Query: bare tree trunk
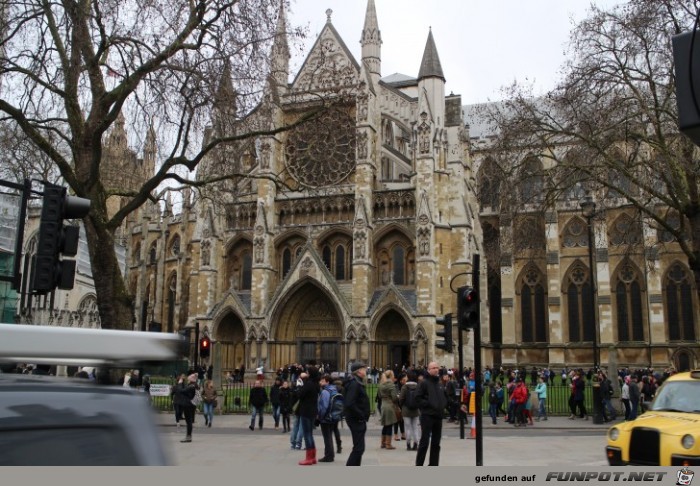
x,y
113,300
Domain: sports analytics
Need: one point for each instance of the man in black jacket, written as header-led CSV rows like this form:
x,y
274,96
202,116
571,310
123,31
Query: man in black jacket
x,y
431,400
356,411
257,400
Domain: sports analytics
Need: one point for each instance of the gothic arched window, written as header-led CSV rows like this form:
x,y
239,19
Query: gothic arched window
x,y
580,313
625,231
395,260
398,265
136,254
239,266
678,294
175,245
628,303
290,250
337,256
152,254
490,177
340,263
531,184
286,261
674,221
533,306
575,234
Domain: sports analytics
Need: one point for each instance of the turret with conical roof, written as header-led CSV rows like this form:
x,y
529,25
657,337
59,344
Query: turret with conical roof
x,y
431,84
372,43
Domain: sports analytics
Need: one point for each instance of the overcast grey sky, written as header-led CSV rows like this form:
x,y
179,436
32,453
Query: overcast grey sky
x,y
483,44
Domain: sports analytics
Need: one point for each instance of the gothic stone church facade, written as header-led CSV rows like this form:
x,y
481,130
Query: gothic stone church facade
x,y
352,257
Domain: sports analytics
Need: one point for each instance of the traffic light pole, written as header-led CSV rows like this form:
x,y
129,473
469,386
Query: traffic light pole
x,y
196,345
478,387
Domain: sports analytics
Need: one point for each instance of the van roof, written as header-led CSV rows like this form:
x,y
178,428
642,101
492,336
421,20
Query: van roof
x,y
21,343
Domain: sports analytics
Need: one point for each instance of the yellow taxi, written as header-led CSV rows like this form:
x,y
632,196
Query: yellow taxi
x,y
668,434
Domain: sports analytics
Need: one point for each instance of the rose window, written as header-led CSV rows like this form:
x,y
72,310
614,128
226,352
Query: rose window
x,y
321,152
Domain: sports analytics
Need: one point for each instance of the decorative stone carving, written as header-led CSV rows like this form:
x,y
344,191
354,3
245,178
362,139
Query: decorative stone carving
x,y
362,109
424,241
206,253
321,152
259,249
360,245
265,155
306,267
424,135
362,145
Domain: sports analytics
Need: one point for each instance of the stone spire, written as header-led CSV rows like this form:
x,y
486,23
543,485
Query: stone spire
x,y
279,69
150,152
372,43
430,65
224,110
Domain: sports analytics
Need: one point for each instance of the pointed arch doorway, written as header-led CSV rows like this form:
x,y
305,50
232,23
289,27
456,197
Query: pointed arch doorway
x,y
308,330
392,342
230,337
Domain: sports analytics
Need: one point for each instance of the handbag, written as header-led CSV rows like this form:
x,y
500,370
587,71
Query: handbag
x,y
197,398
397,411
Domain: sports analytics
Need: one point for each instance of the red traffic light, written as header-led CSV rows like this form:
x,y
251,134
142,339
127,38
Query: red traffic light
x,y
205,343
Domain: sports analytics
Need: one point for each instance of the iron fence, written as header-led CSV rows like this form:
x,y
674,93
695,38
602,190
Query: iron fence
x,y
234,398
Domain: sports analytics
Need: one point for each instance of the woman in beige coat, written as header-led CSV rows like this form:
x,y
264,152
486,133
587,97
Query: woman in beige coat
x,y
390,402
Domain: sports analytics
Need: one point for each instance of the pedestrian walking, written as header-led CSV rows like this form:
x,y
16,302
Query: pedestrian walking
x,y
296,437
356,411
635,394
209,398
409,410
257,400
275,401
326,420
176,407
184,394
606,393
308,410
541,392
285,399
390,401
625,397
431,400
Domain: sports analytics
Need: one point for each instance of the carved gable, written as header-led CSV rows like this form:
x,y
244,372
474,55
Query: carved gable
x,y
329,65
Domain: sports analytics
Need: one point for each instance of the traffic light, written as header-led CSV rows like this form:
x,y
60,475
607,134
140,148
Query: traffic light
x,y
204,347
445,333
467,308
50,271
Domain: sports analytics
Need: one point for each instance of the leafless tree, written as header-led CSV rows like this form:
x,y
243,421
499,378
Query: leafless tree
x,y
610,126
69,69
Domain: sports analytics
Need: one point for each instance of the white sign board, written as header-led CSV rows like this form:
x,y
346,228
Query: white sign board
x,y
160,390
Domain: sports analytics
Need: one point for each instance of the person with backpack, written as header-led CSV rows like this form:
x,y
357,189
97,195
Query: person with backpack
x,y
409,410
328,402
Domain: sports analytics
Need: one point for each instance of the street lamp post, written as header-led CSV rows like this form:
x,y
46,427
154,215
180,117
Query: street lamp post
x,y
588,208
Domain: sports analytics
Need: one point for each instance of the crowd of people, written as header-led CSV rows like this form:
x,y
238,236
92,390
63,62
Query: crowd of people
x,y
411,402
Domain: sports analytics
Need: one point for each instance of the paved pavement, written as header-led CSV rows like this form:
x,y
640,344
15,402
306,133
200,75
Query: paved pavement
x,y
555,442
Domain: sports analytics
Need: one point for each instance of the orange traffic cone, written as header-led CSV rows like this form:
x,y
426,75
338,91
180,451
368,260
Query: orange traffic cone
x,y
472,433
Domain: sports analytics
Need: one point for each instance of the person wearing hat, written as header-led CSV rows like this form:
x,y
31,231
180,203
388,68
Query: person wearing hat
x,y
184,393
356,411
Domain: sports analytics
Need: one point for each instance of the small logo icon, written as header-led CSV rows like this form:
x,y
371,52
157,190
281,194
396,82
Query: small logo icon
x,y
685,477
